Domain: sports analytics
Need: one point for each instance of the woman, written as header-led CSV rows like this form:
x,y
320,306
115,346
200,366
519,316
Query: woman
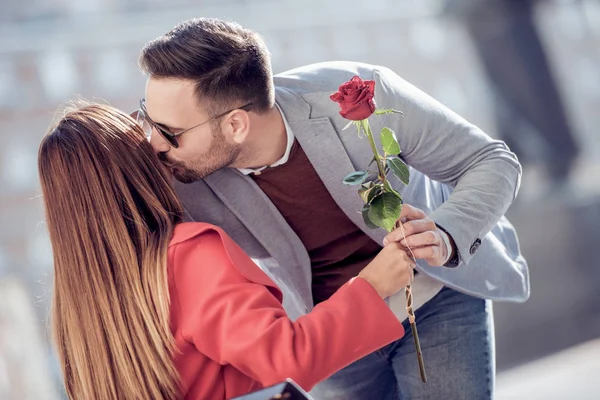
x,y
147,307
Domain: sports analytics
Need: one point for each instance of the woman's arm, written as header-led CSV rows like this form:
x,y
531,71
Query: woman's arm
x,y
235,321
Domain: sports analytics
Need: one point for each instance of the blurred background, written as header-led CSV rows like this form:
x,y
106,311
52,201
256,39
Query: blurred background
x,y
527,72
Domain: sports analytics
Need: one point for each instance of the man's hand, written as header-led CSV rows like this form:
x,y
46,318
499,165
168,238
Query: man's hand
x,y
423,237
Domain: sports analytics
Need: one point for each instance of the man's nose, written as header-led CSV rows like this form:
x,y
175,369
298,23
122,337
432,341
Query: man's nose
x,y
159,143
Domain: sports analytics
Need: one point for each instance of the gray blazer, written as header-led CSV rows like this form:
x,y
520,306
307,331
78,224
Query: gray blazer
x,y
461,177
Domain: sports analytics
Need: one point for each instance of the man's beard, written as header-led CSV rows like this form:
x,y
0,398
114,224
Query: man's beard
x,y
220,155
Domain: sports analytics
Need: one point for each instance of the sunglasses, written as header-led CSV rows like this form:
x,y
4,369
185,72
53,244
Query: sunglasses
x,y
142,118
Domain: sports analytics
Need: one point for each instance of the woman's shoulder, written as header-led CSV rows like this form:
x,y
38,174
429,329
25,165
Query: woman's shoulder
x,y
190,230
193,241
197,243
210,244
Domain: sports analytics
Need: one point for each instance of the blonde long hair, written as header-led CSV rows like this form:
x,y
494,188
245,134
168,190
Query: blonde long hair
x,y
110,211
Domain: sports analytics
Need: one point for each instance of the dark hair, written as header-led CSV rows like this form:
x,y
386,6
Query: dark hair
x,y
229,63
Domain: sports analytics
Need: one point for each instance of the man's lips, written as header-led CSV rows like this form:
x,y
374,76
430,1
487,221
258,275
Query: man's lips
x,y
163,158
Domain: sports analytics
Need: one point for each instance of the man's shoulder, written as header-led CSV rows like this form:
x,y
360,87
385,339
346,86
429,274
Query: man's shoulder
x,y
323,76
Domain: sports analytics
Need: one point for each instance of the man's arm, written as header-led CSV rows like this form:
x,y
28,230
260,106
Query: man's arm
x,y
485,174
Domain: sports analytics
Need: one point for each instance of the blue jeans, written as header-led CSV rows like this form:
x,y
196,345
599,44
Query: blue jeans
x,y
457,339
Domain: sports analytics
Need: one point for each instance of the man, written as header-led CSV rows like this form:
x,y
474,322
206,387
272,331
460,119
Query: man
x,y
264,158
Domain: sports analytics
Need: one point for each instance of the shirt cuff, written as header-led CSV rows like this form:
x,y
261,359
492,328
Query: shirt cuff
x,y
450,263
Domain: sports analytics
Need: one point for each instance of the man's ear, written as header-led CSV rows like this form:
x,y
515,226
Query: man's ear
x,y
236,126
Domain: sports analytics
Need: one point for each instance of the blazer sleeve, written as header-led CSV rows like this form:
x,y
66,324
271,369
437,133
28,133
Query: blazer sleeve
x,y
484,173
235,321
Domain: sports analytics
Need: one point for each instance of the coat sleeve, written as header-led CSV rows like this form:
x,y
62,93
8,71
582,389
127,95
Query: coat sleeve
x,y
235,321
484,173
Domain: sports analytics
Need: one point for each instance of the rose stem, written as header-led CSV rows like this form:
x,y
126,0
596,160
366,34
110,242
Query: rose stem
x,y
412,319
408,289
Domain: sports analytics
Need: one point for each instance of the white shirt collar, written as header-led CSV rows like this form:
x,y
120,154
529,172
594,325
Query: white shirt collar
x,y
288,149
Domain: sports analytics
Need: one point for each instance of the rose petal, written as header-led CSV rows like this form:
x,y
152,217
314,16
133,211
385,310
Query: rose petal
x,y
355,98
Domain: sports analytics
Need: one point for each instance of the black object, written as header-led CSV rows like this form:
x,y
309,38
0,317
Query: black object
x,y
287,390
475,246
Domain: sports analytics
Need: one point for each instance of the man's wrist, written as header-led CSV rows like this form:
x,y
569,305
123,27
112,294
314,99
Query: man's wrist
x,y
452,259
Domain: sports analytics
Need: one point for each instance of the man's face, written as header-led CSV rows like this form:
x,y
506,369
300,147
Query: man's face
x,y
173,105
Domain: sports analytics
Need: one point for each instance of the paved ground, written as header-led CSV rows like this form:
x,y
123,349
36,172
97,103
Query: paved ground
x,y
569,374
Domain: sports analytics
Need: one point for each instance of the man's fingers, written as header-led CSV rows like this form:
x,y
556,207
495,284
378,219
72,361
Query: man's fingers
x,y
431,254
409,213
413,227
427,238
427,253
408,229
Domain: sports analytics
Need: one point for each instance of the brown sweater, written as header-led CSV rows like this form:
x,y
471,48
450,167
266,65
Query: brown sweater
x,y
338,249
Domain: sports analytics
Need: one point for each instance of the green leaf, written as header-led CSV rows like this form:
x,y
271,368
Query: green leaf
x,y
390,189
385,211
388,141
387,111
367,185
370,190
363,192
355,178
399,168
365,215
375,191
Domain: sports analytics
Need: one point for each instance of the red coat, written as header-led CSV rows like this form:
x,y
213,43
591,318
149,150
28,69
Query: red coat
x,y
233,335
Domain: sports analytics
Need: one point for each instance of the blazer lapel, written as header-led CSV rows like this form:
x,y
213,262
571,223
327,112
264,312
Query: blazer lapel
x,y
254,209
327,154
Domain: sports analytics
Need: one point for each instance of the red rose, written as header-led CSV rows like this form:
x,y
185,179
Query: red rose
x,y
355,98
